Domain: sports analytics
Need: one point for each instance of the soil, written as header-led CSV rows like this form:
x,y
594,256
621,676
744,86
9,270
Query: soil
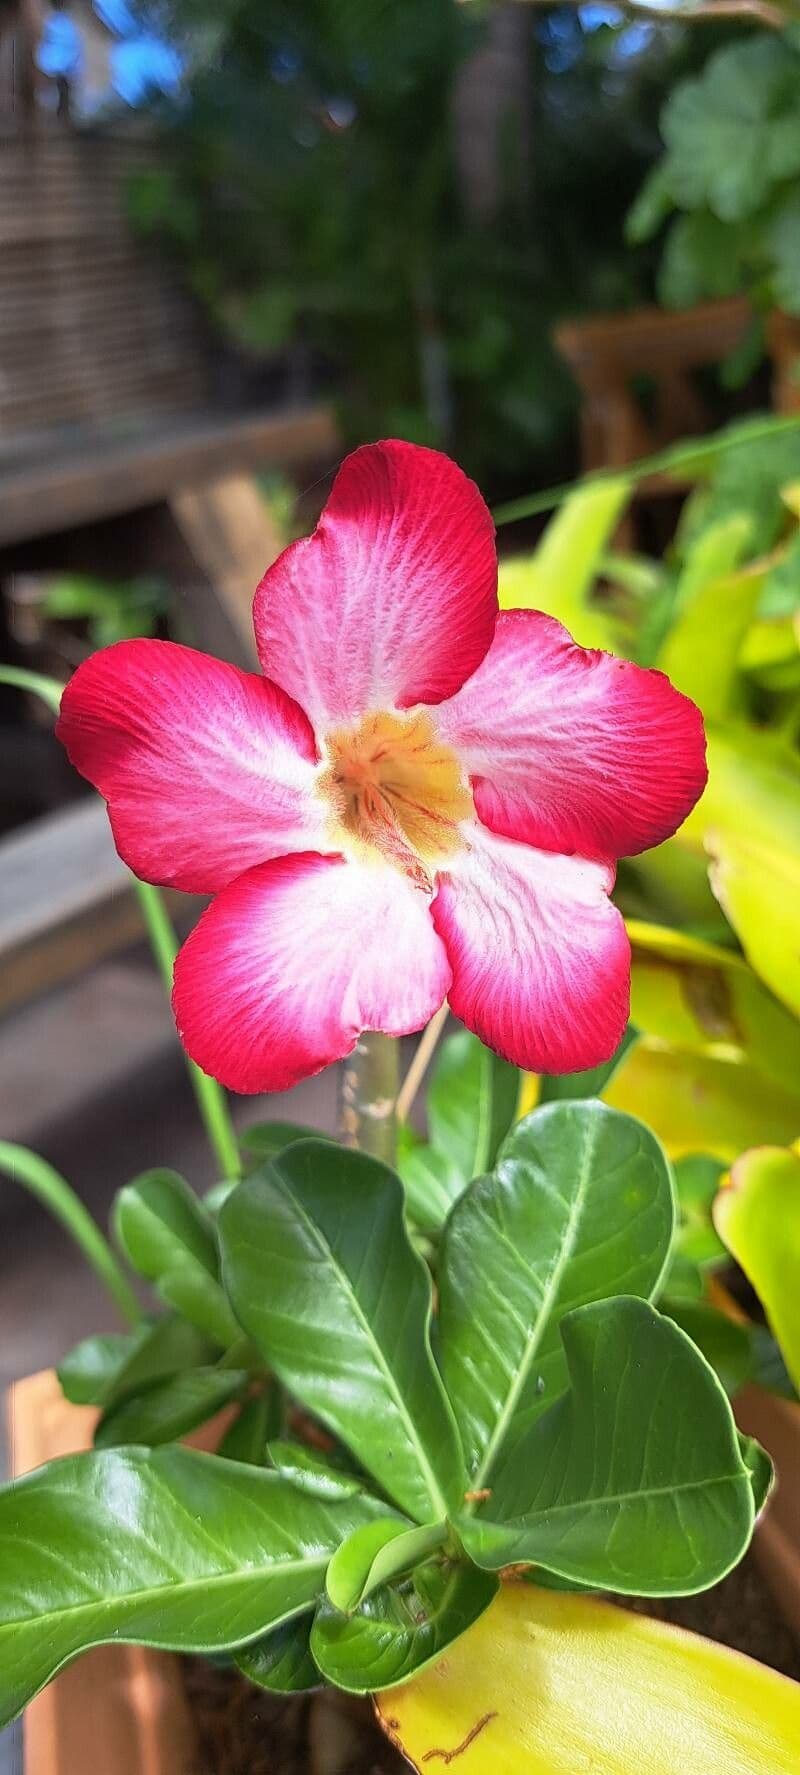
x,y
243,1731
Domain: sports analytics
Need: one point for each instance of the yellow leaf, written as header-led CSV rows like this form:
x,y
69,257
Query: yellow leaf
x,y
550,1684
758,886
697,1103
559,576
705,999
757,1215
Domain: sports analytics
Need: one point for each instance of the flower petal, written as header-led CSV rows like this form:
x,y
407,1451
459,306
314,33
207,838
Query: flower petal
x,y
206,770
572,749
393,600
291,962
540,956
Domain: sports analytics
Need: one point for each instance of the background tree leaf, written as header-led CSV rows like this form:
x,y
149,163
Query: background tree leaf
x,y
580,1207
166,1548
632,1482
400,1628
344,1321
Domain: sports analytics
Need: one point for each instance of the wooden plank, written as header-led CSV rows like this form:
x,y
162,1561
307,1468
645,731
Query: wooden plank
x,y
65,901
228,528
107,475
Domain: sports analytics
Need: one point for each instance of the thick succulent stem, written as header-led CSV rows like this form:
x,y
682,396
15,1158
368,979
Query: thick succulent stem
x,y
369,1083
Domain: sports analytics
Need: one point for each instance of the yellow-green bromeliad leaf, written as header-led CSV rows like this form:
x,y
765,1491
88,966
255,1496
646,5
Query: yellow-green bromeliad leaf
x,y
697,1103
550,1684
757,1215
558,578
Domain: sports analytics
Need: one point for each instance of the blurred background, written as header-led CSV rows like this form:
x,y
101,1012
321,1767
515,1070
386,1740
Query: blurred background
x,y
238,237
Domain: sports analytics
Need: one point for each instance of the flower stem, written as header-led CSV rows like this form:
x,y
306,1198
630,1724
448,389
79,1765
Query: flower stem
x,y
211,1099
368,1096
50,1188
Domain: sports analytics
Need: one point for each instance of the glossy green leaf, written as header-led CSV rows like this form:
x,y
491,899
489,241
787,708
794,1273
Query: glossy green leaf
x,y
769,1369
157,1349
376,1553
169,1409
264,1139
247,1437
88,1373
166,1548
580,1207
282,1661
168,1236
760,1469
309,1473
724,1342
758,1217
193,1293
472,1102
431,1179
157,1219
344,1317
400,1628
634,1480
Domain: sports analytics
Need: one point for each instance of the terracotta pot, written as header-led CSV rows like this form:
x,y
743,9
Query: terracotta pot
x,y
118,1709
776,1423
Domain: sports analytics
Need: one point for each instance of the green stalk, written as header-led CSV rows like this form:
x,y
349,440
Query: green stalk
x,y
368,1095
34,1174
211,1099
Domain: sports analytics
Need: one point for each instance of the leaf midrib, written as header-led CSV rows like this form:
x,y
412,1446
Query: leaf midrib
x,y
206,1581
435,1494
543,1317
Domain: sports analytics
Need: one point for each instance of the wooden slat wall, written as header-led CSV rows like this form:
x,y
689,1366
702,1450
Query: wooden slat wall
x,y
93,326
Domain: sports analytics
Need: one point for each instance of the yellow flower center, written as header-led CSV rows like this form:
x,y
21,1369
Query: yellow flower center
x,y
396,793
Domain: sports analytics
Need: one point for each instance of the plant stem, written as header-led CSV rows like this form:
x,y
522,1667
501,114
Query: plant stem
x,y
425,1050
34,1174
368,1095
211,1099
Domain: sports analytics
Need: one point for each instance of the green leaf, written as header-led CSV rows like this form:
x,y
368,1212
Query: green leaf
x,y
732,133
760,1469
88,1373
471,1103
758,1217
580,1207
168,1236
157,1349
376,1553
770,1370
702,648
308,1473
157,1220
726,1344
247,1438
432,1180
344,1321
282,1661
697,1177
266,1138
695,1103
758,886
169,1409
702,258
400,1628
632,1482
166,1548
559,576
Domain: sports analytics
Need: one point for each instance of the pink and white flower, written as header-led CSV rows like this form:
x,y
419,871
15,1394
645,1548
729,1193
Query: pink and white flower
x,y
421,798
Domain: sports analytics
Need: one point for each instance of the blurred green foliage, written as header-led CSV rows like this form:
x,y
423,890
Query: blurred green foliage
x,y
731,169
311,183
